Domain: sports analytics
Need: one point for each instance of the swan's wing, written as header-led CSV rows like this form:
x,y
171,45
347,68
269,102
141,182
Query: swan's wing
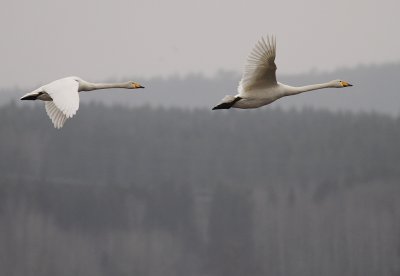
x,y
64,93
57,117
260,68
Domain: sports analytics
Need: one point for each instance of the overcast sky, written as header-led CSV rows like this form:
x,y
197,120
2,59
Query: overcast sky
x,y
48,39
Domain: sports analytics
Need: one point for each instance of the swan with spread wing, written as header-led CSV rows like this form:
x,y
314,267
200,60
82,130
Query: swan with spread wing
x,y
259,87
62,99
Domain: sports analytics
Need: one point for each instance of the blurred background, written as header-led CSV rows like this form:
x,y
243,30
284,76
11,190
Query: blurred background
x,y
153,182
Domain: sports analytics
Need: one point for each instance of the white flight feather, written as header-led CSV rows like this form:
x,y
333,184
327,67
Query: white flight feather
x,y
57,116
65,95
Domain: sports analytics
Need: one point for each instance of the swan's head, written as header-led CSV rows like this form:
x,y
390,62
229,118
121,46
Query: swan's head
x,y
340,83
135,85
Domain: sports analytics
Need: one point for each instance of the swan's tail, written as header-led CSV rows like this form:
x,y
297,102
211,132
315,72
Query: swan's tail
x,y
227,102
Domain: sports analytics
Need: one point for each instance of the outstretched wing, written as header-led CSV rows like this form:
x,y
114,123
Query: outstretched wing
x,y
57,117
260,68
64,93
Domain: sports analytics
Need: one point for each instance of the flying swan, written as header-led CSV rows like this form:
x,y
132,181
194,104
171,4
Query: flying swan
x,y
258,85
62,99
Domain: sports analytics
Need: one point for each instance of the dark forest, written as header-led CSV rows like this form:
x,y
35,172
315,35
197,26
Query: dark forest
x,y
156,191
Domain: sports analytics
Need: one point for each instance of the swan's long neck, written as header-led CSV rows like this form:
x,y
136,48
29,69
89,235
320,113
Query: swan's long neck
x,y
88,86
300,89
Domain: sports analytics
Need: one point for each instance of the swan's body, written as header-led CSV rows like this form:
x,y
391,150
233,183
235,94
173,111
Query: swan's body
x,y
61,96
258,86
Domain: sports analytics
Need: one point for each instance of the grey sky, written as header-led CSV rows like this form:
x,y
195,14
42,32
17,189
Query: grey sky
x,y
47,39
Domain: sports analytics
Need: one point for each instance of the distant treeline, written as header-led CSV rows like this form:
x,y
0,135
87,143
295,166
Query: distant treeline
x,y
146,191
375,88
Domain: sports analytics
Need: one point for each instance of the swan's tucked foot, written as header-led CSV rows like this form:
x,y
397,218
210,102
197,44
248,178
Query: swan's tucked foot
x,y
222,106
36,96
29,97
227,102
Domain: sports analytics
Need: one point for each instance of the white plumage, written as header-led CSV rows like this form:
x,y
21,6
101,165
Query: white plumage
x,y
259,87
56,115
65,95
62,99
260,68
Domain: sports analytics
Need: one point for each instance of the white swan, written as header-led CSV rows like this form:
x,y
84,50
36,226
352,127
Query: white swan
x,y
62,99
258,85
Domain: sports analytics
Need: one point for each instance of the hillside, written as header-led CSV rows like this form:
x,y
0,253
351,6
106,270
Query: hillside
x,y
146,191
375,89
